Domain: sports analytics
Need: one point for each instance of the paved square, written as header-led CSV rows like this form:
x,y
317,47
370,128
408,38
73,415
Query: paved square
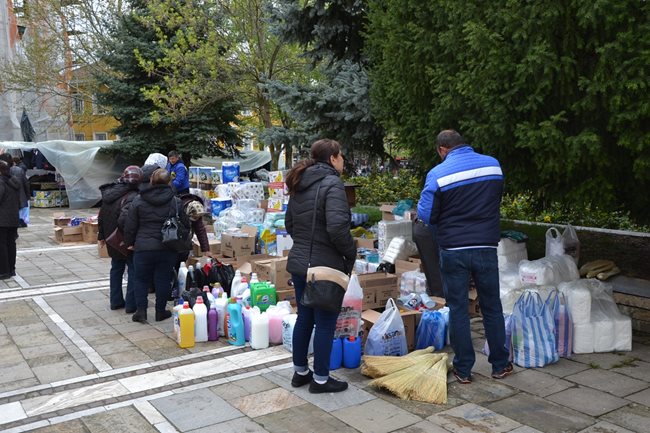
x,y
376,416
588,400
472,418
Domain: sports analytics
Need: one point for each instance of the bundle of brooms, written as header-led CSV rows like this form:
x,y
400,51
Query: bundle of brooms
x,y
420,375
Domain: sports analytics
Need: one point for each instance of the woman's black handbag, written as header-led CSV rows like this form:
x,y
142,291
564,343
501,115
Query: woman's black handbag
x,y
175,235
323,290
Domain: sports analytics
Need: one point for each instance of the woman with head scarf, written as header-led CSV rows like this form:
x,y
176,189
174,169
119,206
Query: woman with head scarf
x,y
116,198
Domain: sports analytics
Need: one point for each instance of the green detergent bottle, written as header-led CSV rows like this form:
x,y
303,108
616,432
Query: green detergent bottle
x,y
263,295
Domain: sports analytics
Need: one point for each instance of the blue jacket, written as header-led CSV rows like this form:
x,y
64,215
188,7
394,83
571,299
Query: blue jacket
x,y
461,197
181,180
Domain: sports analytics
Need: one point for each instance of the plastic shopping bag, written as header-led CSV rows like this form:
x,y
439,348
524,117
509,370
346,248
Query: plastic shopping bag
x,y
554,242
556,303
387,337
431,331
571,243
533,332
347,324
507,318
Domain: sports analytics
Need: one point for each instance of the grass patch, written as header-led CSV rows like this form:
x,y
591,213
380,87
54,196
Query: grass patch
x,y
594,365
627,362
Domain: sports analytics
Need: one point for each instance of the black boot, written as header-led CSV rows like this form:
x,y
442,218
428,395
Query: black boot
x,y
162,315
140,316
332,385
299,380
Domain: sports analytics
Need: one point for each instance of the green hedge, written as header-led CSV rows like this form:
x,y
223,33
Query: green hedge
x,y
383,187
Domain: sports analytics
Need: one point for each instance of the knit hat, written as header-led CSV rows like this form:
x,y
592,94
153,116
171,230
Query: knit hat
x,y
132,174
195,210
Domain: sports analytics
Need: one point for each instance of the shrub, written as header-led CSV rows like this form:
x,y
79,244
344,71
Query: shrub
x,y
383,187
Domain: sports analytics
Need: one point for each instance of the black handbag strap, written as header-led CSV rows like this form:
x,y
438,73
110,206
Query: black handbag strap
x,y
313,225
175,204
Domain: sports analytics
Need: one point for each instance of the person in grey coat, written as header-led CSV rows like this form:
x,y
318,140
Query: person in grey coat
x,y
333,246
9,221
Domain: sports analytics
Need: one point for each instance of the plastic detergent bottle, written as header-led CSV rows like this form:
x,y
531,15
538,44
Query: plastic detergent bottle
x,y
235,324
263,296
246,313
186,320
259,329
210,296
275,324
177,324
254,278
336,356
213,323
242,288
217,290
236,282
190,272
351,352
182,278
200,320
221,304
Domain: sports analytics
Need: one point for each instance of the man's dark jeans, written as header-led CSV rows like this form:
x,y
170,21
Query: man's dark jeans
x,y
325,322
456,267
117,272
158,264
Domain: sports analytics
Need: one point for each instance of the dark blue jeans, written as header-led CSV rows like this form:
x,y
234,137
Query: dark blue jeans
x,y
325,322
456,266
117,272
158,264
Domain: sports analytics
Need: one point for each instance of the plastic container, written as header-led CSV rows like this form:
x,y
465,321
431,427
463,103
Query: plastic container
x,y
236,282
351,352
276,315
186,324
182,278
263,295
210,296
217,290
246,313
336,356
177,324
200,320
259,329
221,304
213,323
236,335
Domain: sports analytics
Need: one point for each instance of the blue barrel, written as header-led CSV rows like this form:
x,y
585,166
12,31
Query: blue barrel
x,y
336,356
351,352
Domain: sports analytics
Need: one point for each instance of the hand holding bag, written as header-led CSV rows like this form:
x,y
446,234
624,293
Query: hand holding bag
x,y
175,235
325,286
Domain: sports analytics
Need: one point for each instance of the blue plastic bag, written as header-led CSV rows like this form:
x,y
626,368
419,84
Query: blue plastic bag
x,y
431,331
533,332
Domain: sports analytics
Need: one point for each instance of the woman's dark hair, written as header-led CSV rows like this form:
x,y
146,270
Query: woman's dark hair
x,y
160,177
4,168
321,151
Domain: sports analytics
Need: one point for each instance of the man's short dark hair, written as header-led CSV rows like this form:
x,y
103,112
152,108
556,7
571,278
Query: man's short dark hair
x,y
173,153
449,139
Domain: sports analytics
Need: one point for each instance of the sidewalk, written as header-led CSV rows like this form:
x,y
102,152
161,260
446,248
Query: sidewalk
x,y
70,364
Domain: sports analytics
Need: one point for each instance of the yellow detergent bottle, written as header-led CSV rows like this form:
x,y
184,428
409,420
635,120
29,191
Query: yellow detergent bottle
x,y
186,319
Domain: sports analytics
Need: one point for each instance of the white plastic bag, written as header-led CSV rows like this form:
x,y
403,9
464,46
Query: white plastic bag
x,y
554,242
387,337
347,324
571,243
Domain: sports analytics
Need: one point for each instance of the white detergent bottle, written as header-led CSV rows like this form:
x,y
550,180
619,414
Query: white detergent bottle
x,y
236,282
254,278
259,329
221,305
200,320
182,278
210,296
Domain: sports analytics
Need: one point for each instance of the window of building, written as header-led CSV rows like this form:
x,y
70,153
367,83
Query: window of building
x,y
101,136
98,109
78,104
80,137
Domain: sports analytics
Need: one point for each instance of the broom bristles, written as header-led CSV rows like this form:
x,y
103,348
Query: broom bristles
x,y
403,381
433,388
377,366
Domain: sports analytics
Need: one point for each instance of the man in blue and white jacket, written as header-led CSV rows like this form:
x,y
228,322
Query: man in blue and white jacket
x,y
461,200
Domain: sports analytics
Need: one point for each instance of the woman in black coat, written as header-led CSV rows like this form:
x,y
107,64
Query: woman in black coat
x,y
333,246
142,233
9,221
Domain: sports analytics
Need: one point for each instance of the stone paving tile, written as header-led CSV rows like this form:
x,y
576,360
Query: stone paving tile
x,y
239,425
541,414
376,416
319,421
49,360
418,408
470,418
57,371
423,427
633,417
600,360
195,409
609,381
16,384
263,403
243,387
16,372
537,383
45,350
482,390
127,358
564,367
524,429
638,370
588,400
122,420
72,426
351,397
605,427
642,397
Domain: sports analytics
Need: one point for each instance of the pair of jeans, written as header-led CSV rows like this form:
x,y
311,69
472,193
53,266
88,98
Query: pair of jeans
x,y
325,322
456,266
116,274
158,264
8,236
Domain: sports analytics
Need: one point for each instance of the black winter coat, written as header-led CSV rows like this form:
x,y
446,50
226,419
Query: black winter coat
x,y
115,197
333,243
19,173
9,201
147,213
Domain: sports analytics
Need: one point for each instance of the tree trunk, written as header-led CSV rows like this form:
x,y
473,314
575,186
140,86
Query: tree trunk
x,y
275,155
288,156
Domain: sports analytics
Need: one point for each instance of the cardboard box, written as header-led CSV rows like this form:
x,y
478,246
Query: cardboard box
x,y
239,244
68,234
387,212
365,243
102,251
60,220
377,288
89,231
402,266
215,247
287,295
273,270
